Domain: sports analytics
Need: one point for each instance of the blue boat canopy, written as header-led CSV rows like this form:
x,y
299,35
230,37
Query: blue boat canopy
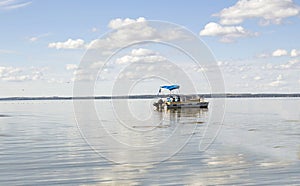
x,y
171,87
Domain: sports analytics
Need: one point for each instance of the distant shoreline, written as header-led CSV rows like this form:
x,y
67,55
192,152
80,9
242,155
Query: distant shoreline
x,y
227,95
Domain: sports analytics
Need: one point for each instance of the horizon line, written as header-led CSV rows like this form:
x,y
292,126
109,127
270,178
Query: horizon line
x,y
151,96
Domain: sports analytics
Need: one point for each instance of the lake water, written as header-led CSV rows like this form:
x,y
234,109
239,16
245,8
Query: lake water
x,y
47,142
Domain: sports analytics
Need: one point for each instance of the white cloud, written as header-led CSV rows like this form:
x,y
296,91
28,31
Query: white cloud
x,y
69,44
71,66
279,53
117,23
279,77
201,69
295,53
227,33
222,63
4,71
89,72
263,55
260,76
6,2
94,29
142,52
122,36
290,64
97,65
257,78
13,4
83,75
35,38
279,81
54,80
136,30
244,77
141,55
16,78
268,11
19,74
268,66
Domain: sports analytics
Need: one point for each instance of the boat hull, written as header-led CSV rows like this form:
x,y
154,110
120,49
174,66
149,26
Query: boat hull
x,y
188,105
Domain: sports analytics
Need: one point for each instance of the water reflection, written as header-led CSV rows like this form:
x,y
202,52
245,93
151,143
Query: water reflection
x,y
40,145
128,136
3,116
187,115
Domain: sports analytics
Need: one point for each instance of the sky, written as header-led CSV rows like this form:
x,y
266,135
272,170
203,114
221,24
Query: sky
x,y
255,43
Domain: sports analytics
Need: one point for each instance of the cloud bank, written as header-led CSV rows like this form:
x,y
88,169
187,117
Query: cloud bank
x,y
13,4
268,11
227,33
69,44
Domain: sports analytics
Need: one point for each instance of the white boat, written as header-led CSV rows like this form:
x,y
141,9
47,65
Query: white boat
x,y
179,101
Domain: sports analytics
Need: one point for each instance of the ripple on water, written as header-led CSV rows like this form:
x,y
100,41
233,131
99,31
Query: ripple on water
x,y
4,115
5,135
43,145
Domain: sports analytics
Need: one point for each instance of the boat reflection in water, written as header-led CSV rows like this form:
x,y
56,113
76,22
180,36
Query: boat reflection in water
x,y
185,115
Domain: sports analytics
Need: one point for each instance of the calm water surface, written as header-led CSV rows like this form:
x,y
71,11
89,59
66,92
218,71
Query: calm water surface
x,y
40,143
